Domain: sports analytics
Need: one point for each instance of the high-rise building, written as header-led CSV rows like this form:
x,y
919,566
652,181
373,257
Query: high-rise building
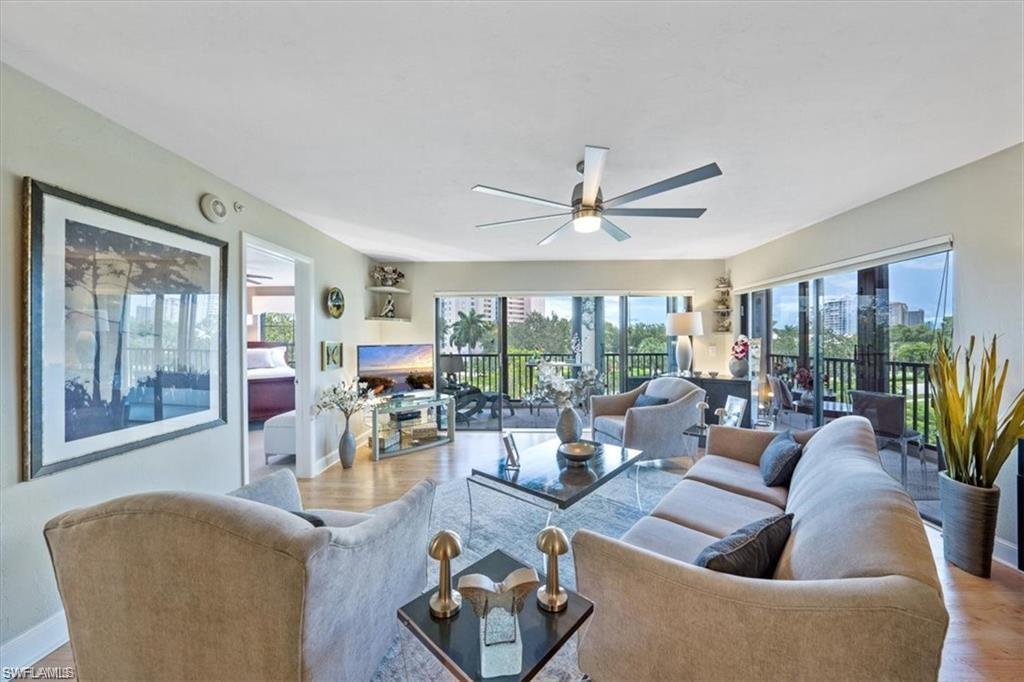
x,y
897,313
839,315
521,306
915,317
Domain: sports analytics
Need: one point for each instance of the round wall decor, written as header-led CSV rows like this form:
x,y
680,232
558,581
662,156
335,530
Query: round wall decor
x,y
334,302
213,207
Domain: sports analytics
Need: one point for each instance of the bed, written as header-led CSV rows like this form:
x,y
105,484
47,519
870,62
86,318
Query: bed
x,y
271,382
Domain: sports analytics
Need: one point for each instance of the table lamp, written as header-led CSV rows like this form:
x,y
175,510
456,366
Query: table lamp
x,y
683,326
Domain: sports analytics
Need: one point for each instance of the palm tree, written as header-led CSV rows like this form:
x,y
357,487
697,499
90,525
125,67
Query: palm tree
x,y
469,330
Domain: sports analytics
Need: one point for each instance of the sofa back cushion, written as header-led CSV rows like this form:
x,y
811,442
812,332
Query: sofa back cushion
x,y
851,518
671,388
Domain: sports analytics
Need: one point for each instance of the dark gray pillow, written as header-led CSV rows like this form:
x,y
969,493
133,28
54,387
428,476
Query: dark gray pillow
x,y
315,520
644,400
750,552
779,459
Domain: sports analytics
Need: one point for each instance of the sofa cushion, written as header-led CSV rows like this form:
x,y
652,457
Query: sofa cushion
x,y
668,539
711,510
611,424
672,388
739,477
644,400
779,459
852,519
750,552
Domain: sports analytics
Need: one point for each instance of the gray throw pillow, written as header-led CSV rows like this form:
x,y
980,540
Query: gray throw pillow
x,y
750,552
644,400
313,519
779,459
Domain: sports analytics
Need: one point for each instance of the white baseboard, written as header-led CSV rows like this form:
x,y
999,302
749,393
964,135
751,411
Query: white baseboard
x,y
1005,552
35,643
320,465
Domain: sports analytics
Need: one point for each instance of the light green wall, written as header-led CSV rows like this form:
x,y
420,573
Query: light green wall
x,y
982,206
53,139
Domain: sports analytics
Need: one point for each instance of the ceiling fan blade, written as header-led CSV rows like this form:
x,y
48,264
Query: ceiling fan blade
x,y
657,212
688,178
258,276
614,230
554,235
593,170
501,223
516,195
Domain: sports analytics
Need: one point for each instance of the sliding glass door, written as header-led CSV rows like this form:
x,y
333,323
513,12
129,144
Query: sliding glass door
x,y
859,342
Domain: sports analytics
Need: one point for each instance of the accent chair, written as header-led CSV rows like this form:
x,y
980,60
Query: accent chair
x,y
179,585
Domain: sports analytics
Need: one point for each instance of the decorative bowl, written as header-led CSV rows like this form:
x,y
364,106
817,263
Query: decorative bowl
x,y
712,374
579,453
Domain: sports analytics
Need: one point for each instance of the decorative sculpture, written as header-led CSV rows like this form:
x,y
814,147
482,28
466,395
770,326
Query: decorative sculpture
x,y
444,547
389,307
553,542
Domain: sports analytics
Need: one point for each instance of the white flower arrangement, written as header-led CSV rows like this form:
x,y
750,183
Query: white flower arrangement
x,y
347,398
562,391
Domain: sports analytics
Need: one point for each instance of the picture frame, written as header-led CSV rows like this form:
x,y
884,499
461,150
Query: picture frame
x,y
125,338
330,355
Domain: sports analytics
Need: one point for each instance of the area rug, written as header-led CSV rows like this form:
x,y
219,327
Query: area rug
x,y
501,522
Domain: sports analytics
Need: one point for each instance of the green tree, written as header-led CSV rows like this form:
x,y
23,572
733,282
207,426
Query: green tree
x,y
540,334
469,330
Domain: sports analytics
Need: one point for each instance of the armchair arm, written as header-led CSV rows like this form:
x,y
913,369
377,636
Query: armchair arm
x,y
899,623
615,404
357,581
658,429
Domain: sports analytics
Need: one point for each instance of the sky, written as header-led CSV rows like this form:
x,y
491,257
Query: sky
x,y
641,308
916,282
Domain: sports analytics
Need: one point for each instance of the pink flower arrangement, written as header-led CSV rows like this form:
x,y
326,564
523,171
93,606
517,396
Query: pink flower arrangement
x,y
741,348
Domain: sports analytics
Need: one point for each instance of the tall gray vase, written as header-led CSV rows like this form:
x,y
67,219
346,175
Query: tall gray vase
x,y
569,428
968,524
347,448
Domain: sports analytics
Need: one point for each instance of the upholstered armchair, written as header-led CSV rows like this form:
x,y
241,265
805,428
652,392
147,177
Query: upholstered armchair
x,y
177,585
656,429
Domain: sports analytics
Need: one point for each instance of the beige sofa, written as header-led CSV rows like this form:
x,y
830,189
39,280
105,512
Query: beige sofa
x,y
855,594
178,586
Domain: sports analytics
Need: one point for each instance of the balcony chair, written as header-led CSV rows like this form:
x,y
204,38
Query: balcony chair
x,y
782,402
181,585
887,413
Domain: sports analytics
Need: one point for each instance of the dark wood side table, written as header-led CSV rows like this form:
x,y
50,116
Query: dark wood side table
x,y
455,641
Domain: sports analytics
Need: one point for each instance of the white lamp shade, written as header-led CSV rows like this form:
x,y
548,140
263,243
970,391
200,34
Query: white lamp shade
x,y
684,324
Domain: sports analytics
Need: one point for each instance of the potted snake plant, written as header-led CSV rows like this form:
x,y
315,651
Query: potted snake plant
x,y
976,442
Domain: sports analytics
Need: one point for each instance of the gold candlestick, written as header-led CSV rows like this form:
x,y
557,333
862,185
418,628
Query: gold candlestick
x,y
444,547
553,542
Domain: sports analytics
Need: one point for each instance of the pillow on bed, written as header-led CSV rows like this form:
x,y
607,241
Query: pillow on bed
x,y
277,356
259,358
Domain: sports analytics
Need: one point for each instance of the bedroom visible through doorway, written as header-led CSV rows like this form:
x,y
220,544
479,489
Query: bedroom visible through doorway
x,y
270,335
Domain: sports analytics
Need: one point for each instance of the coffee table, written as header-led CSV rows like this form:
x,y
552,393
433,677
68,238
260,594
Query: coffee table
x,y
455,641
545,480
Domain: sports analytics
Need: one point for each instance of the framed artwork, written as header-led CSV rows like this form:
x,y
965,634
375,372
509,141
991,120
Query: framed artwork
x,y
330,355
125,345
334,301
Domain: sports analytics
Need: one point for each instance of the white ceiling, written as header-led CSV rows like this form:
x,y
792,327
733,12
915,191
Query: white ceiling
x,y
280,271
372,121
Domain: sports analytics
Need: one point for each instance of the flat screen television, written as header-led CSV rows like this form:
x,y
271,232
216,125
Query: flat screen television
x,y
399,368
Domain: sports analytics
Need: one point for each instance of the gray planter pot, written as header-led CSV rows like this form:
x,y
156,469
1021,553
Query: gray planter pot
x,y
347,448
569,428
968,524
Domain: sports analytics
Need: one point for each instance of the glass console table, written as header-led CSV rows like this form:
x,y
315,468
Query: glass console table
x,y
404,425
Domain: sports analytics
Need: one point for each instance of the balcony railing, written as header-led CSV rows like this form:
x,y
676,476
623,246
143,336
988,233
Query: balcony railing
x,y
909,379
483,370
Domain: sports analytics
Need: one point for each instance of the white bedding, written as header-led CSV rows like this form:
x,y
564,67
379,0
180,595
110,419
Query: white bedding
x,y
270,373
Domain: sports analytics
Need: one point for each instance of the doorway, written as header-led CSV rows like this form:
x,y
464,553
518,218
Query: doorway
x,y
276,360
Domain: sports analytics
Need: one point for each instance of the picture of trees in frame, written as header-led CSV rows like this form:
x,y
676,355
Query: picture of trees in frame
x,y
126,340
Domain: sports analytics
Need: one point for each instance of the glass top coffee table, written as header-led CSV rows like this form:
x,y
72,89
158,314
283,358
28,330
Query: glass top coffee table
x,y
455,641
546,480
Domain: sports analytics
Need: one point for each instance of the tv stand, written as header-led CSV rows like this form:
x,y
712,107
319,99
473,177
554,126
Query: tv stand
x,y
434,425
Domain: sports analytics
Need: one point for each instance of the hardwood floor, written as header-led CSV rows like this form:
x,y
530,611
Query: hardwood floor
x,y
986,630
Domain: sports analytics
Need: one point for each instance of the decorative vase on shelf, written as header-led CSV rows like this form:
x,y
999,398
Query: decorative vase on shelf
x,y
347,447
569,427
739,367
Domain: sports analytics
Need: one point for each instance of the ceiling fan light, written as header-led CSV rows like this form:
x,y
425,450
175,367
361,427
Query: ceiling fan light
x,y
586,220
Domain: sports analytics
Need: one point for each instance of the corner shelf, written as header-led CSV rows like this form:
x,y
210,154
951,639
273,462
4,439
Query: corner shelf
x,y
377,318
388,290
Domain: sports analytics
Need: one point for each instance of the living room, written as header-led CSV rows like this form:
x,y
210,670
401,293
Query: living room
x,y
375,270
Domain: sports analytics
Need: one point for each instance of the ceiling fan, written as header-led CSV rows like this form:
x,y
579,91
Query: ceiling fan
x,y
256,279
589,211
